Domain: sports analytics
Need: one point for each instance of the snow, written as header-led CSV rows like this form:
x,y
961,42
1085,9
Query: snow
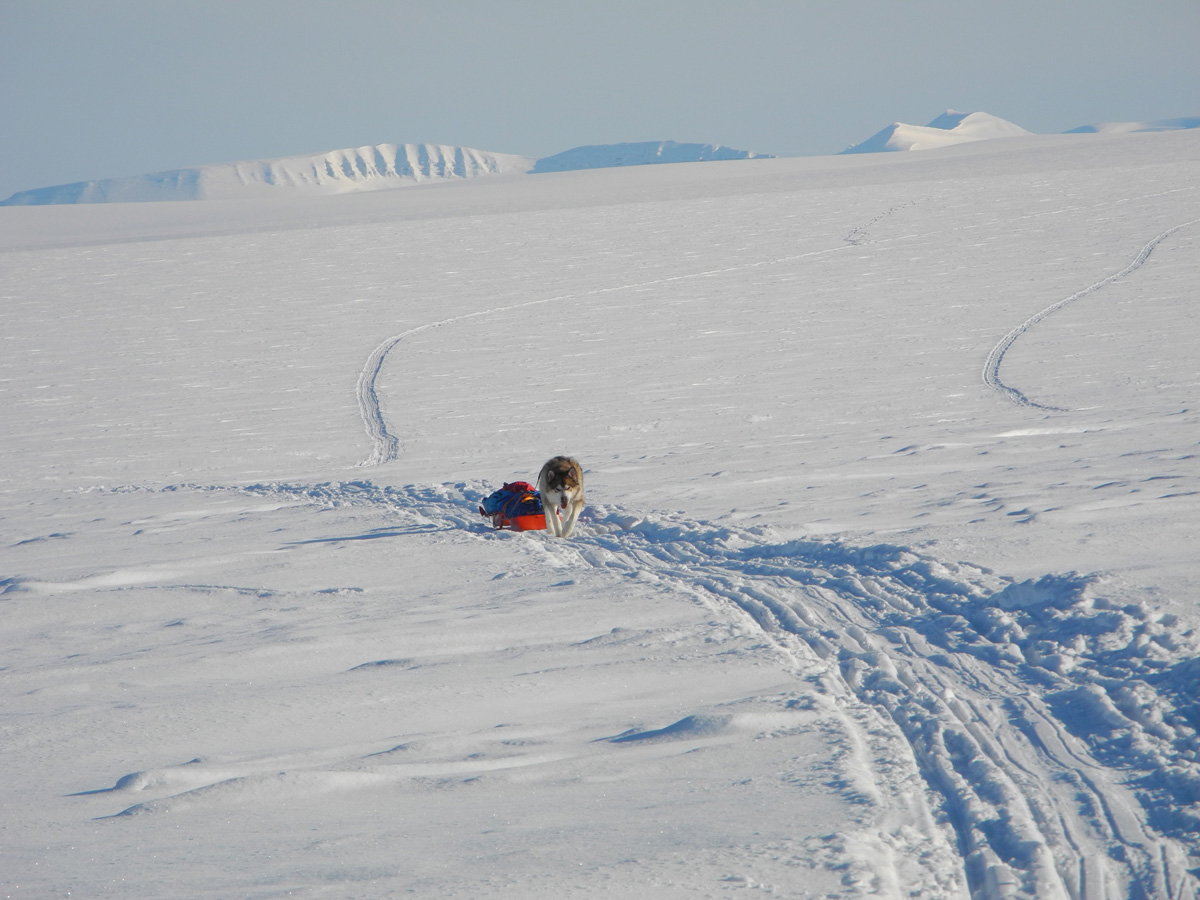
x,y
639,154
953,127
886,588
946,130
1131,127
375,168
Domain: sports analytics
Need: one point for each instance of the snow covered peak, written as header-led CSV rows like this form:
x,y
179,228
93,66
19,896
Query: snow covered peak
x,y
977,125
951,127
605,156
370,168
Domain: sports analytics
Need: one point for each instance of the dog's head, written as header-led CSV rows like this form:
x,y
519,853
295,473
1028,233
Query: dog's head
x,y
562,475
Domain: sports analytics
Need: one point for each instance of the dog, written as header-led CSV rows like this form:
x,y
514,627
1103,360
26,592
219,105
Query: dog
x,y
560,484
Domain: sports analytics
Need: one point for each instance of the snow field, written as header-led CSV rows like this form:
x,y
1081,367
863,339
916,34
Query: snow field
x,y
293,681
255,648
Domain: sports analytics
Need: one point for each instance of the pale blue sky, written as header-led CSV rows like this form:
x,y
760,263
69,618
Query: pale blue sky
x,y
104,88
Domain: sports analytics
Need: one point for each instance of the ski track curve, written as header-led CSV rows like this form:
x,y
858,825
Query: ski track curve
x,y
386,445
965,666
991,368
1053,731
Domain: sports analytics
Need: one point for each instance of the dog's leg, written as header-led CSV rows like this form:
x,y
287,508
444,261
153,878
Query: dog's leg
x,y
568,526
553,523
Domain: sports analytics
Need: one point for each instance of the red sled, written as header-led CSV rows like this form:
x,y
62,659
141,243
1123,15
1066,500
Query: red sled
x,y
521,523
516,507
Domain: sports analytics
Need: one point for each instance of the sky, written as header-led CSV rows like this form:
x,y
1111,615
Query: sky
x,y
93,90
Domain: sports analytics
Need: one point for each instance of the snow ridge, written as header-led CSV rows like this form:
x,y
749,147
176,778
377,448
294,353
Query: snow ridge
x,y
991,368
370,168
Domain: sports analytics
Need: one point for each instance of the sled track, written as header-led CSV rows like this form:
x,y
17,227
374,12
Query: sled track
x,y
386,445
1053,731
991,368
858,235
965,667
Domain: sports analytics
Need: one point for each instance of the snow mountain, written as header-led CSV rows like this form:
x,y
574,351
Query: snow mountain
x,y
371,168
605,156
949,128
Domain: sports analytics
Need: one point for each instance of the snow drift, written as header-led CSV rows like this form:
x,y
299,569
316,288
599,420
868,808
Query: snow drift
x,y
946,130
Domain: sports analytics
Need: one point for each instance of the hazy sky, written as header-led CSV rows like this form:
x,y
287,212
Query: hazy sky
x,y
104,88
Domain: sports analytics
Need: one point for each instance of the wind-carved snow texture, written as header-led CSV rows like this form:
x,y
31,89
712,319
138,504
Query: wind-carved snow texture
x,y
1052,730
991,368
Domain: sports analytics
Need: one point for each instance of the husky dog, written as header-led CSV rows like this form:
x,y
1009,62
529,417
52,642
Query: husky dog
x,y
560,484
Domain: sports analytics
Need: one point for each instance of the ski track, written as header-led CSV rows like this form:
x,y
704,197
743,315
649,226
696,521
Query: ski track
x,y
386,445
1053,732
858,236
991,368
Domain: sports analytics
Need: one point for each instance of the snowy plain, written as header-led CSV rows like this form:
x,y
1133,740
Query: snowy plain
x,y
886,587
